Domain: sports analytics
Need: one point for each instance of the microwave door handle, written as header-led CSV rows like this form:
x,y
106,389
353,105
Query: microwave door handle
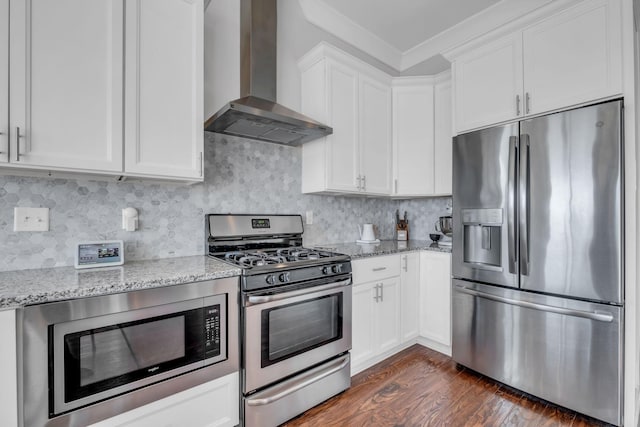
x,y
523,195
511,213
278,394
261,299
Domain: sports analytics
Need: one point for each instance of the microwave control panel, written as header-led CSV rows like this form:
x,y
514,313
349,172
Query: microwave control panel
x,y
212,331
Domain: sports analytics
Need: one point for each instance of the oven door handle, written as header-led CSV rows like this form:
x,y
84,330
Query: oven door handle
x,y
262,299
282,392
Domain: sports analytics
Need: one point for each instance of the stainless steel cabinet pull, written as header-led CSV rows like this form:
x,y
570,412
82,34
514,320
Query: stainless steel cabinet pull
x,y
395,186
377,288
382,292
261,299
406,263
517,105
511,213
526,102
524,204
18,136
364,183
379,268
201,163
359,186
301,383
592,315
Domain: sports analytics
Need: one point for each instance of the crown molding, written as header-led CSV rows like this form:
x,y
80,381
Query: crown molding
x,y
330,20
503,16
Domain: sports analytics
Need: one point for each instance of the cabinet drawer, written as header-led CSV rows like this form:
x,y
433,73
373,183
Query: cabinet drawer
x,y
375,268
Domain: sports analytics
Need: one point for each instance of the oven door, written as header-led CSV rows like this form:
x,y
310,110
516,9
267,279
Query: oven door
x,y
294,330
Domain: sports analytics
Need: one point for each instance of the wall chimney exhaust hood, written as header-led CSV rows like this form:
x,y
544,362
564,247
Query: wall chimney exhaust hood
x,y
256,115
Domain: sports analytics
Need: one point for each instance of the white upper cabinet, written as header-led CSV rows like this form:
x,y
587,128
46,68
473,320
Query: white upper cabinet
x,y
570,58
66,84
355,100
93,88
164,96
375,136
488,84
573,57
443,134
422,136
413,136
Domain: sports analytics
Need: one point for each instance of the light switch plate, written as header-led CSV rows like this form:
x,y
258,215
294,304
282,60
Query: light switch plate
x,y
309,215
31,219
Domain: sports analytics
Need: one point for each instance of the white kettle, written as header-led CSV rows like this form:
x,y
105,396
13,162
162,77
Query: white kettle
x,y
366,233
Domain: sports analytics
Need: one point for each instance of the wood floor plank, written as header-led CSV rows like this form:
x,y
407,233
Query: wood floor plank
x,y
421,387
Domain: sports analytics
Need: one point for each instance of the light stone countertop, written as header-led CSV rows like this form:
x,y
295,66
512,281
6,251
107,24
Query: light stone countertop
x,y
25,287
385,247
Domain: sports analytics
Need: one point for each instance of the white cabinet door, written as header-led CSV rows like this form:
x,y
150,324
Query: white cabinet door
x,y
4,81
413,139
573,57
342,146
443,143
387,318
66,85
410,290
164,81
488,84
375,136
212,404
8,369
363,314
435,298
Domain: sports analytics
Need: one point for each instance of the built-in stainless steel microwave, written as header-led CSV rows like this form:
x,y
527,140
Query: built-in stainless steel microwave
x,y
103,348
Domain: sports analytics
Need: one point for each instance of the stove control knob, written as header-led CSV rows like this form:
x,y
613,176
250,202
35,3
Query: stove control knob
x,y
284,277
337,268
326,270
271,279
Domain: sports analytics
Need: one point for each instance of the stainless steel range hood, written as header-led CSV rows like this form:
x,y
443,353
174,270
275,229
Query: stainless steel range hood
x,y
256,115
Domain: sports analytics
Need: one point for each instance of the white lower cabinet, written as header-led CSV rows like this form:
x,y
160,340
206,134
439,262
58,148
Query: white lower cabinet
x,y
212,404
8,370
400,300
375,311
435,301
409,290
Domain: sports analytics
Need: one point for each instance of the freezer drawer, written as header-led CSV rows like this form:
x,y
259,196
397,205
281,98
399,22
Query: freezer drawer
x,y
565,351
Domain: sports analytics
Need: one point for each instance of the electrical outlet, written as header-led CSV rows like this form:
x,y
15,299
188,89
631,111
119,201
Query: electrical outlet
x,y
30,219
309,217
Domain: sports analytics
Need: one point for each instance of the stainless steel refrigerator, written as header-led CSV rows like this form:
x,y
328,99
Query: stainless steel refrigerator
x,y
538,257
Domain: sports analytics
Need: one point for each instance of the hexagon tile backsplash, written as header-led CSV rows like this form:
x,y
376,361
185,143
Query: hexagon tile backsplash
x,y
241,176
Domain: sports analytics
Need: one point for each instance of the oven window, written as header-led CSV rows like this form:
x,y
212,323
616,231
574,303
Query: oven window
x,y
292,329
100,359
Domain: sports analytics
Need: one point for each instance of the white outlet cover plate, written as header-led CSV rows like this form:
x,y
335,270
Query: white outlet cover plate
x,y
30,219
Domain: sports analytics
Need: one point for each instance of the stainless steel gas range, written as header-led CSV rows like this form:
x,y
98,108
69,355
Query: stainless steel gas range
x,y
295,315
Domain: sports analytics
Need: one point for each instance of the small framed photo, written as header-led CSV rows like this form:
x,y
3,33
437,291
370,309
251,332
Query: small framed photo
x,y
99,254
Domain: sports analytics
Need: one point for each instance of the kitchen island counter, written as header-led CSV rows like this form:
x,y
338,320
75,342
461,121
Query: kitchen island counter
x,y
24,287
385,247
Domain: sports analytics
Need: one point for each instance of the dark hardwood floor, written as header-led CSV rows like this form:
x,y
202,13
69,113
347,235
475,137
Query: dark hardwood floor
x,y
421,387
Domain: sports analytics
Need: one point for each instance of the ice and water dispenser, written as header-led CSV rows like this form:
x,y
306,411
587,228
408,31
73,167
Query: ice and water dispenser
x,y
482,235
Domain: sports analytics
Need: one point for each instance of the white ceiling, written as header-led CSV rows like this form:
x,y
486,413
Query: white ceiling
x,y
406,34
405,24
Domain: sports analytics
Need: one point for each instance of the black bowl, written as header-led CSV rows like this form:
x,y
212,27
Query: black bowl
x,y
435,237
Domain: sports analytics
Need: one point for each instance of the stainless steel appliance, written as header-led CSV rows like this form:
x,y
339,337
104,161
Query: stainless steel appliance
x,y
295,315
256,115
538,257
88,359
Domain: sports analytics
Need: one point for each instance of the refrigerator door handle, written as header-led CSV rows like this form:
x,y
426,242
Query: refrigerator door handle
x,y
591,315
523,214
511,214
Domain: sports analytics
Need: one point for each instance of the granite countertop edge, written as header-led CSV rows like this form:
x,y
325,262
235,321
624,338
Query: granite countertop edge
x,y
385,247
27,287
